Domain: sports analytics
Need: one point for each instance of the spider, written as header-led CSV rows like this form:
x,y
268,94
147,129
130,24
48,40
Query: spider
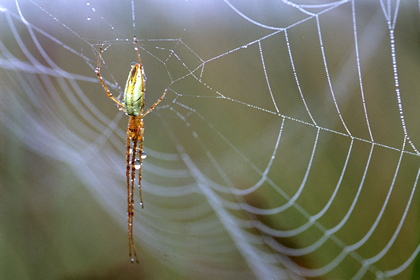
x,y
133,106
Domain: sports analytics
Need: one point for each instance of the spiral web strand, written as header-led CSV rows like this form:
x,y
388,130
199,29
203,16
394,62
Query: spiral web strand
x,y
286,146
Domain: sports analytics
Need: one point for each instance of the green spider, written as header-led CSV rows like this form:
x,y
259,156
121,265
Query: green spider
x,y
133,106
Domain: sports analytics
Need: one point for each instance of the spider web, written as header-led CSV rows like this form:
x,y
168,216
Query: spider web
x,y
286,147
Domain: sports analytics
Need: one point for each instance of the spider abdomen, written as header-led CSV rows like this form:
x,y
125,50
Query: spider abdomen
x,y
134,91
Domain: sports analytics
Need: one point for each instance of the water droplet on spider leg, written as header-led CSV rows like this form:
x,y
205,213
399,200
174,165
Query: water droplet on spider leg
x,y
143,155
141,203
137,164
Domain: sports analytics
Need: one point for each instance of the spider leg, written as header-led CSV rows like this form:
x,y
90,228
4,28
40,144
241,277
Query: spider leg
x,y
140,159
156,103
98,74
142,155
130,173
136,164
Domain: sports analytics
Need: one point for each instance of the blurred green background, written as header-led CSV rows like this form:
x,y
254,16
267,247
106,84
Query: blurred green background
x,y
62,189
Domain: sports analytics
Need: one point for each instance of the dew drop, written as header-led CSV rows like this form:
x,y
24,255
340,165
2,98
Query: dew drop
x,y
141,203
137,164
88,18
143,155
